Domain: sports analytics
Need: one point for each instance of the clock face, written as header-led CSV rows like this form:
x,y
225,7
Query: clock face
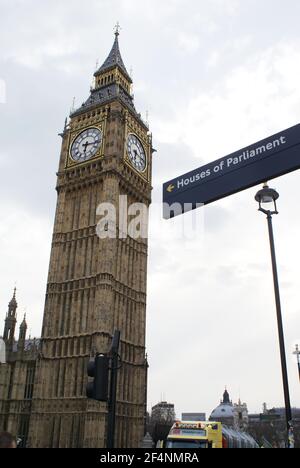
x,y
86,144
136,153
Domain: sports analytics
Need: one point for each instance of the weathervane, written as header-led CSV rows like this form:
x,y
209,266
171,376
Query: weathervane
x,y
117,29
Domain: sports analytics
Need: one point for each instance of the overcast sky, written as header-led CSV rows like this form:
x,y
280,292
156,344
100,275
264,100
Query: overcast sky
x,y
215,76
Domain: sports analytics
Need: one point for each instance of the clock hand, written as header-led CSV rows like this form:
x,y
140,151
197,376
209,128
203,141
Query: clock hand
x,y
136,155
86,145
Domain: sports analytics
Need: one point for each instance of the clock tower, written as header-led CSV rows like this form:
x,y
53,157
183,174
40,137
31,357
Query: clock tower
x,y
96,283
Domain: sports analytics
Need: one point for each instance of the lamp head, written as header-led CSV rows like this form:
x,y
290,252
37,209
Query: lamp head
x,y
266,196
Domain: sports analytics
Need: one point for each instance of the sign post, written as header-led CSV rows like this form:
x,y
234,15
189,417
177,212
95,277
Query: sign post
x,y
265,160
258,163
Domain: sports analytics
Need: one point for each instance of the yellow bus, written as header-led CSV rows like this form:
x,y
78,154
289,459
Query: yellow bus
x,y
209,434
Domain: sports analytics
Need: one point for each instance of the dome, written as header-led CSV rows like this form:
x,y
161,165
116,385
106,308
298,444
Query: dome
x,y
225,410
222,411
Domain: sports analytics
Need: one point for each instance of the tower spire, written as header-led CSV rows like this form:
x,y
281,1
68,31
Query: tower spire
x,y
12,306
112,81
10,322
22,334
114,58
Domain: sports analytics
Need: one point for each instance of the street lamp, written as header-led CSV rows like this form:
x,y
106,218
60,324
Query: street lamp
x,y
265,197
297,353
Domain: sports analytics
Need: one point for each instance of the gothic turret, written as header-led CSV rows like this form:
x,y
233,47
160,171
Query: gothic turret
x,y
22,335
10,323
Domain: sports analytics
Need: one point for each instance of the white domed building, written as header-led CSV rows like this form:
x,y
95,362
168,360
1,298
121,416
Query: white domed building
x,y
225,412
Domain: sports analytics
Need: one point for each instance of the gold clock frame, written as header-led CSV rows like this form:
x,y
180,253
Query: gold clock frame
x,y
72,137
145,144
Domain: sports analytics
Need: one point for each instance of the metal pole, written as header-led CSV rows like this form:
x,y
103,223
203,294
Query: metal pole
x,y
297,352
111,420
288,410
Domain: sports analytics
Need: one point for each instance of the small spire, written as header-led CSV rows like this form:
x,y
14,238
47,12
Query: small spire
x,y
24,324
22,335
226,397
13,302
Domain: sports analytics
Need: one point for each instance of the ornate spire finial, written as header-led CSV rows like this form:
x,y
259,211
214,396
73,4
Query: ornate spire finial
x,y
13,302
117,29
24,324
226,398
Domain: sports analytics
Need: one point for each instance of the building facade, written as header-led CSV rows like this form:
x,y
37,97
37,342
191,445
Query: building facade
x,y
163,412
241,416
193,417
17,376
98,269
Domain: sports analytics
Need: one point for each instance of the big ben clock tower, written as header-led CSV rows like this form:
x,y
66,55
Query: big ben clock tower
x,y
96,284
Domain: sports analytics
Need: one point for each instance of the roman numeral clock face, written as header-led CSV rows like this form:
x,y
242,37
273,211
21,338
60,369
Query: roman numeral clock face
x,y
136,153
86,145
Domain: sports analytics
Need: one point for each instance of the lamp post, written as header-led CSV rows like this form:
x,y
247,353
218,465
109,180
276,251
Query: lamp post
x,y
264,197
297,353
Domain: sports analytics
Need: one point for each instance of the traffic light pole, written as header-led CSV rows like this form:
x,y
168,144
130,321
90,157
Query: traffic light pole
x,y
111,420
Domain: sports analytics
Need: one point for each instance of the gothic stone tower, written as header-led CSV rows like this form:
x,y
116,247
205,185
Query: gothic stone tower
x,y
95,285
10,323
17,376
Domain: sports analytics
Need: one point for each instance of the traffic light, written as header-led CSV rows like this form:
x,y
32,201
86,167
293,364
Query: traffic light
x,y
98,369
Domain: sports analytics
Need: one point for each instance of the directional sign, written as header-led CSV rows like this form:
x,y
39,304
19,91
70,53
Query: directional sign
x,y
260,162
